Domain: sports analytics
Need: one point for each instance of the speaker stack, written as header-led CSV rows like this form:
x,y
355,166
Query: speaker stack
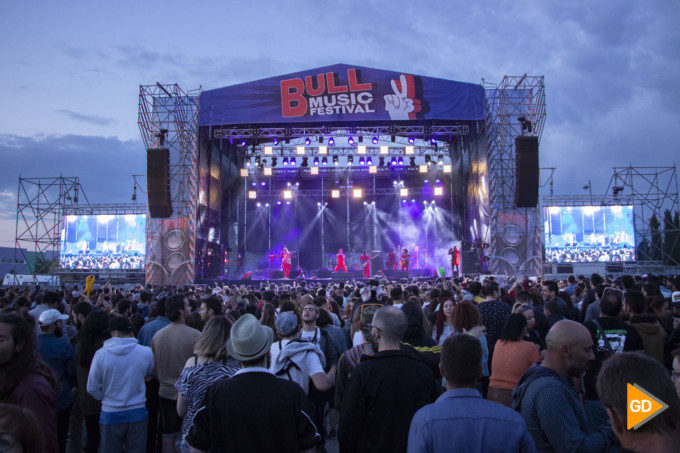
x,y
158,182
526,183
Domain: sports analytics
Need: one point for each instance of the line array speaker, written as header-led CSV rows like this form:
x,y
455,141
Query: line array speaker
x,y
526,183
158,182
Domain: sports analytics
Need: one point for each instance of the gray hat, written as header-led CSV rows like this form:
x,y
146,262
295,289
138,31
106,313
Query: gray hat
x,y
50,317
286,323
249,339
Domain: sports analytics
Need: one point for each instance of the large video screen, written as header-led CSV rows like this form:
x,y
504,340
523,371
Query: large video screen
x,y
103,242
589,234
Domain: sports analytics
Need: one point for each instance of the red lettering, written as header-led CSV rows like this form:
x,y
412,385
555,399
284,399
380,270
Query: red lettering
x,y
320,85
353,84
330,82
293,103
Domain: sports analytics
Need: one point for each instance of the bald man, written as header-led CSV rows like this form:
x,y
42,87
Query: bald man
x,y
548,402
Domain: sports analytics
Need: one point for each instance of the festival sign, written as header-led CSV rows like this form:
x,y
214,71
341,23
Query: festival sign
x,y
342,93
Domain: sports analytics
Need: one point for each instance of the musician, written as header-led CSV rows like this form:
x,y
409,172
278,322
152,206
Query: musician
x,y
391,260
405,258
285,262
416,256
365,265
239,264
341,266
455,260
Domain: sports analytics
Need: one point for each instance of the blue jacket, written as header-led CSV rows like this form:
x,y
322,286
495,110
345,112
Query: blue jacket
x,y
58,353
539,393
461,419
149,329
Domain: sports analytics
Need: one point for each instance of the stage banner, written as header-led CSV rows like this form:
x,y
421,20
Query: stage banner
x,y
342,93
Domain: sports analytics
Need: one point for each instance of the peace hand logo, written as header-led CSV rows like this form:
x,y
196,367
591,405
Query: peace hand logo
x,y
402,105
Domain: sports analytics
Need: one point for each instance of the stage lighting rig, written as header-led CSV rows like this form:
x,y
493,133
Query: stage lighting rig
x,y
375,140
411,140
440,160
369,161
350,140
324,161
275,141
247,161
308,141
331,141
361,161
350,160
274,162
305,162
292,161
428,159
401,160
258,161
285,161
335,160
316,160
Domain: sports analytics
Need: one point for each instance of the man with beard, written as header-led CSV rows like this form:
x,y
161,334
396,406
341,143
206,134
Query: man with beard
x,y
57,351
547,386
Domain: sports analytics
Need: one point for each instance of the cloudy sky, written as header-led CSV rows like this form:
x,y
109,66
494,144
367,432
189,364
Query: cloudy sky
x,y
71,72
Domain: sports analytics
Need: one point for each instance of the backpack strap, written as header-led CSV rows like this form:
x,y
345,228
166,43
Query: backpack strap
x,y
602,334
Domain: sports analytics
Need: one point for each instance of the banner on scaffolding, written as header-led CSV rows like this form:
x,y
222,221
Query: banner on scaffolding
x,y
342,93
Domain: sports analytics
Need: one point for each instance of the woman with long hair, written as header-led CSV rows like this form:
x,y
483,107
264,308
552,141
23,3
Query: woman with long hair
x,y
467,320
511,359
443,324
211,362
25,379
268,316
91,338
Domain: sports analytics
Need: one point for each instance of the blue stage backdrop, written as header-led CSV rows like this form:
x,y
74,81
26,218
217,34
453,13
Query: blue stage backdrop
x,y
344,93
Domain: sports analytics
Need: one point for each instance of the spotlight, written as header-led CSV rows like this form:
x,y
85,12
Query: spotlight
x,y
361,139
259,204
401,160
433,141
287,202
275,141
428,159
413,161
318,203
413,200
350,160
258,161
248,162
324,161
369,161
393,161
288,184
440,160
292,161
243,142
403,201
331,141
285,161
263,183
278,203
335,160
437,181
426,181
307,141
350,140
361,161
266,204
381,161
411,140
316,160
274,161
375,140
305,162
365,203
254,184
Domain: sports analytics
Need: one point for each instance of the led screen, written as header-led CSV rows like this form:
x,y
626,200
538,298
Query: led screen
x,y
103,242
589,234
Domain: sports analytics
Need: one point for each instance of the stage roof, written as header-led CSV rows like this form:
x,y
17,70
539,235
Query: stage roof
x,y
342,93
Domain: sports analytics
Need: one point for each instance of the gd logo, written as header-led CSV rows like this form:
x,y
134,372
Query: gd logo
x,y
642,406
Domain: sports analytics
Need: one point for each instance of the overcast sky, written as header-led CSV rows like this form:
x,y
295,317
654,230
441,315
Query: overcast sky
x,y
70,73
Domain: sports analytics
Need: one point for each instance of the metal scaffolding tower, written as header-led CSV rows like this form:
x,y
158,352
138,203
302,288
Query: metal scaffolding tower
x,y
515,243
41,204
165,111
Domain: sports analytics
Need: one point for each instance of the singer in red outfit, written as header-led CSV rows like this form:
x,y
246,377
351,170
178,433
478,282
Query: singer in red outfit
x,y
365,265
455,259
285,262
405,257
341,266
391,260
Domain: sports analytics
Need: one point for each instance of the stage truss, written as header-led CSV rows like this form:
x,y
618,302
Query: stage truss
x,y
515,242
169,112
651,191
41,204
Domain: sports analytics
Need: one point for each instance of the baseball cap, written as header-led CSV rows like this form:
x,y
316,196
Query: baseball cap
x,y
50,317
286,323
675,298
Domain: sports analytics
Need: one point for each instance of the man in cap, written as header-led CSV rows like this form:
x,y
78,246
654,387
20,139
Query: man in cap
x,y
254,410
58,352
116,378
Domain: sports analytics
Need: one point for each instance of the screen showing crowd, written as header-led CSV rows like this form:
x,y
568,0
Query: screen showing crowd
x,y
589,234
103,242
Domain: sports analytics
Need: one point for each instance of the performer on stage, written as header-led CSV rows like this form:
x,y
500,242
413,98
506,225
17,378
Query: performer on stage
x,y
391,260
285,262
365,265
405,257
239,265
455,260
416,256
341,266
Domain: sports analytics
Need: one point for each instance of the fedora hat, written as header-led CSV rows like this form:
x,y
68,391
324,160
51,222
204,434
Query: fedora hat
x,y
249,340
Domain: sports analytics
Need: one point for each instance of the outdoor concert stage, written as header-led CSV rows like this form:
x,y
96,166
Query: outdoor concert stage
x,y
338,157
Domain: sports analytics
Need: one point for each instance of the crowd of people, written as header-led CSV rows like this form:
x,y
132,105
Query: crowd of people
x,y
102,261
585,254
469,364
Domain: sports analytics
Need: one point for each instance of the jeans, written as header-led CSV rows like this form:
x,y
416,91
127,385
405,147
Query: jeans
x,y
128,437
